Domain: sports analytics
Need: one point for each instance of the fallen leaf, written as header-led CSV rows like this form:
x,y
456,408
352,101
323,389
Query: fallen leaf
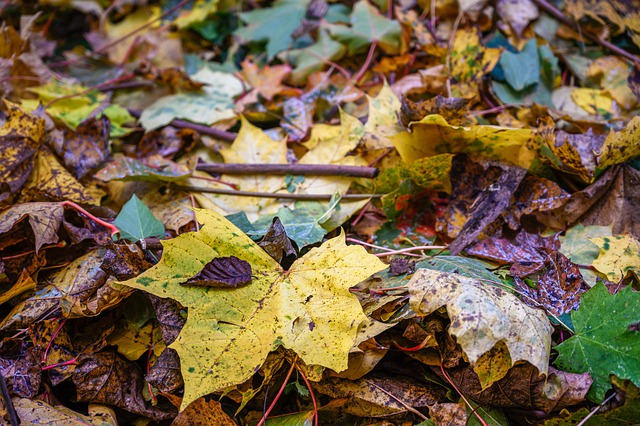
x,y
44,219
34,411
518,14
618,256
223,272
482,315
297,308
203,412
576,245
602,343
136,222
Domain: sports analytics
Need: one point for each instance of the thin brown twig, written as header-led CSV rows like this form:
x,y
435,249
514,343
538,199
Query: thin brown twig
x,y
367,62
289,169
284,196
595,410
556,13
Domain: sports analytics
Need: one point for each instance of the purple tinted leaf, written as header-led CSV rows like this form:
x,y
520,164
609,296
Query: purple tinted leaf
x,y
223,272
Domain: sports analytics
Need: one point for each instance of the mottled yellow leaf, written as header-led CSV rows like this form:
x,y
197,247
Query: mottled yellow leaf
x,y
594,101
433,135
470,60
611,73
229,332
482,315
618,255
621,146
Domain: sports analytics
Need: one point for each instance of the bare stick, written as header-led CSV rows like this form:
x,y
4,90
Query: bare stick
x,y
284,196
289,169
556,13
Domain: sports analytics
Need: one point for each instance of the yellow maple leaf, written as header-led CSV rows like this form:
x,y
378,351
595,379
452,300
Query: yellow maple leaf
x,y
230,332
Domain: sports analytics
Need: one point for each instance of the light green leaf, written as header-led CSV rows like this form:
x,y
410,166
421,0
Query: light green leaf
x,y
313,58
136,222
301,224
576,246
603,344
521,69
367,26
213,104
274,24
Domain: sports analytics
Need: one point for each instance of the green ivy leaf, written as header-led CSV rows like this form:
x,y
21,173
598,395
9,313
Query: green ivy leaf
x,y
136,222
521,69
603,343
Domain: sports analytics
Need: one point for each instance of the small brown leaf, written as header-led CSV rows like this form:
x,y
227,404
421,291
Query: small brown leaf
x,y
223,272
276,242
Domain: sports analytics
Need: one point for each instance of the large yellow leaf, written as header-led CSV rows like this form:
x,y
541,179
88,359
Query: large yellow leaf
x,y
482,315
230,332
620,146
618,255
433,135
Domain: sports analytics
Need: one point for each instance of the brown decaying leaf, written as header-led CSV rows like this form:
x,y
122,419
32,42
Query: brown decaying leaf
x,y
203,412
276,242
84,149
165,373
558,289
124,261
169,317
223,272
613,199
20,367
489,204
107,378
44,219
452,109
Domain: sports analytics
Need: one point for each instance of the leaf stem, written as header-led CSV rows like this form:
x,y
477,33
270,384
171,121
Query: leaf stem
x,y
53,337
289,169
313,397
72,361
111,227
284,384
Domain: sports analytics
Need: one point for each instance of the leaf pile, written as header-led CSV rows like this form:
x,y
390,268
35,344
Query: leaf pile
x,y
320,212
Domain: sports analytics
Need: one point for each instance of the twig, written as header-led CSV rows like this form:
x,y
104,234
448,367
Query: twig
x,y
284,196
367,62
556,13
200,128
275,400
405,405
595,410
8,404
53,337
289,169
410,249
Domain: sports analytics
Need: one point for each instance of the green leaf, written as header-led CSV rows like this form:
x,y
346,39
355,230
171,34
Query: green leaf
x,y
576,246
521,69
136,222
367,26
213,104
603,343
302,224
274,24
465,266
313,58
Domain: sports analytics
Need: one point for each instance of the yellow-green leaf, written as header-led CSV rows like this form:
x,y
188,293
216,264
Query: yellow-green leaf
x,y
618,255
433,135
229,333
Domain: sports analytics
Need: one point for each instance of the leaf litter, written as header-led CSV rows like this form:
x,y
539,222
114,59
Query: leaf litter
x,y
152,290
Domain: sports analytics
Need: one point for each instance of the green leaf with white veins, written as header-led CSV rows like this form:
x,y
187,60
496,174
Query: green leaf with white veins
x,y
367,26
136,222
274,24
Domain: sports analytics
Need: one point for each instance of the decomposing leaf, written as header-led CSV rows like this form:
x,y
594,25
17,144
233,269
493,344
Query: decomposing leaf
x,y
20,139
85,148
482,315
304,308
518,14
35,411
603,344
44,218
276,242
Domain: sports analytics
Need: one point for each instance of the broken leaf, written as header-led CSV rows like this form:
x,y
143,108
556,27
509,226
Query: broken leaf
x,y
482,315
